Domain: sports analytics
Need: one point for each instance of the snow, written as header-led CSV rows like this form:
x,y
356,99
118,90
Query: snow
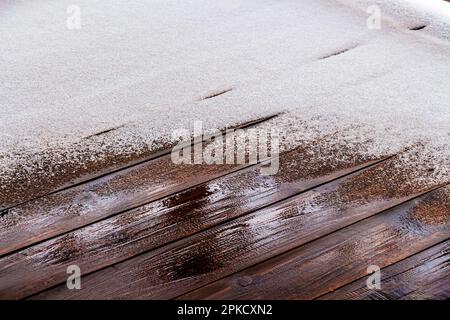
x,y
142,67
434,14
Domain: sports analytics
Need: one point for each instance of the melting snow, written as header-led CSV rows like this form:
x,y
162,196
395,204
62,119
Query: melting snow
x,y
137,70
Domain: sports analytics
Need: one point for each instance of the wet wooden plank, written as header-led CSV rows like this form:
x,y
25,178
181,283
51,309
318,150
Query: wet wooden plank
x,y
340,258
217,252
70,209
425,275
30,186
125,235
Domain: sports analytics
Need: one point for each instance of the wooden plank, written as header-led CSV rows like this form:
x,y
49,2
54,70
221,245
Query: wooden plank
x,y
333,261
214,253
425,275
70,209
130,233
32,186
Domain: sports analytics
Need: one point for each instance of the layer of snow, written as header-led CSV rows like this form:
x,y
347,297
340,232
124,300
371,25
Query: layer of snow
x,y
433,14
142,67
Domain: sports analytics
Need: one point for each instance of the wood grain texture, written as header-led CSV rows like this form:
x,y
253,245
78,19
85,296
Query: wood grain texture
x,y
30,186
425,275
128,188
193,262
130,233
340,258
73,208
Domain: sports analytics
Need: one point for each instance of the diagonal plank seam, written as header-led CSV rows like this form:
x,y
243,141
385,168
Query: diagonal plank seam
x,y
360,168
152,157
242,168
389,265
440,186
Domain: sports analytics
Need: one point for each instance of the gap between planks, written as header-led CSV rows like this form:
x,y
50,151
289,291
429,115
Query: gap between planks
x,y
313,184
284,200
113,207
113,170
215,288
345,291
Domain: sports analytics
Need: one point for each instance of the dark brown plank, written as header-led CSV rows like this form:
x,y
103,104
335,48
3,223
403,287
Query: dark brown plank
x,y
70,209
31,185
425,275
209,255
128,234
329,263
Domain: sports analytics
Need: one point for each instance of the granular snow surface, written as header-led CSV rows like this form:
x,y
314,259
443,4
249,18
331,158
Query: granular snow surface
x,y
138,70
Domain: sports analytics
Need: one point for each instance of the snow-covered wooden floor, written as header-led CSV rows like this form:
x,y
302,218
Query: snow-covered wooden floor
x,y
87,123
159,230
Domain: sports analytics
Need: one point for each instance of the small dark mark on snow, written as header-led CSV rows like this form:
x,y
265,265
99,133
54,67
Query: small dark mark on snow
x,y
103,132
215,94
336,53
418,27
4,213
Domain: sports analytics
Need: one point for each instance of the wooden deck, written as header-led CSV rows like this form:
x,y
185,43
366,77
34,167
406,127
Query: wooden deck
x,y
157,230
